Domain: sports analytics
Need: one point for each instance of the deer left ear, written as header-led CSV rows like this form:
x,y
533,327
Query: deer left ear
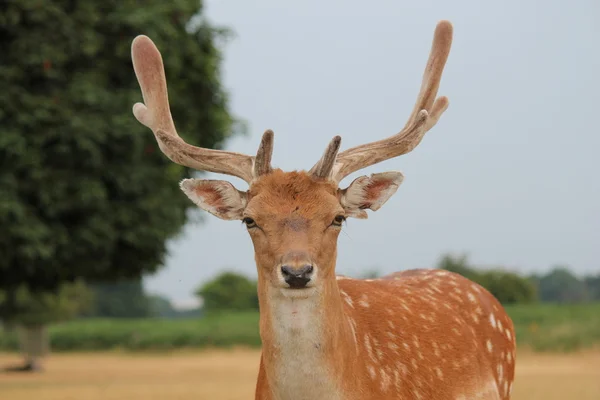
x,y
369,192
220,198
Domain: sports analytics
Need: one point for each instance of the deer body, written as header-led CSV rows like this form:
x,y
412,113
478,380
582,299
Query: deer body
x,y
418,334
392,338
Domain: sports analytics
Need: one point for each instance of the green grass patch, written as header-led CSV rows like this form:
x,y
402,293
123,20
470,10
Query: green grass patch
x,y
557,328
539,327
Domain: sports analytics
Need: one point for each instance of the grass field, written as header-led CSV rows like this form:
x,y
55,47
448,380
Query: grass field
x,y
231,375
539,327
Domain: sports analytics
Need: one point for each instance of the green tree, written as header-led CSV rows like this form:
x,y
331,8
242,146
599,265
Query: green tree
x,y
561,286
84,191
507,287
125,299
229,291
34,310
458,264
161,306
592,284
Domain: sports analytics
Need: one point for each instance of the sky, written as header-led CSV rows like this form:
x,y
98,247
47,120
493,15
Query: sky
x,y
509,175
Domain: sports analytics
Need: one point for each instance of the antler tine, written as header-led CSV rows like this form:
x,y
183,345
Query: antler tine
x,y
262,162
324,167
426,112
156,115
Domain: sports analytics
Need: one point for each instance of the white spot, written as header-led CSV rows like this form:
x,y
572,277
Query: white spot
x,y
363,301
471,297
372,372
347,298
393,346
508,335
509,357
489,345
369,348
438,372
492,320
353,328
500,325
385,380
416,341
391,324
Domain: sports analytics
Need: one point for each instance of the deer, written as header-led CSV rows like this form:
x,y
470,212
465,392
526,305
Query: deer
x,y
421,333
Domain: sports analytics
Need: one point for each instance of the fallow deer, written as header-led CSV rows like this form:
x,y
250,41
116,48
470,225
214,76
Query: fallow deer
x,y
417,334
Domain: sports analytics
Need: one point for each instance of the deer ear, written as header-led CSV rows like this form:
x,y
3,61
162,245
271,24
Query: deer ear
x,y
219,198
369,192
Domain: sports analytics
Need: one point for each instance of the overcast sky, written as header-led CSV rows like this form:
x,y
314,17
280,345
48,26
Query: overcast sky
x,y
509,174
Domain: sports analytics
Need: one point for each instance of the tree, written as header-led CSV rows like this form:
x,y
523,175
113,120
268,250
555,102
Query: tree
x,y
592,284
125,299
229,291
560,285
458,264
507,287
161,306
34,310
84,191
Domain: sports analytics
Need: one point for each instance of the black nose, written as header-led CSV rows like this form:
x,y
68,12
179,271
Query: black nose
x,y
297,278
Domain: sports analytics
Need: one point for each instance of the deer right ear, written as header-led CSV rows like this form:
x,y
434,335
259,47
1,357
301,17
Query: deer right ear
x,y
369,192
220,198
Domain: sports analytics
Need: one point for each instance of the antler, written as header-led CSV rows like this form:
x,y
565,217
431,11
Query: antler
x,y
156,115
424,116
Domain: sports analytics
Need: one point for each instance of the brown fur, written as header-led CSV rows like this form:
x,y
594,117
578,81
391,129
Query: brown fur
x,y
410,335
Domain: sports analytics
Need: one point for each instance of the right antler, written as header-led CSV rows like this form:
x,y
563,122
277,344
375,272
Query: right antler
x,y
424,116
156,115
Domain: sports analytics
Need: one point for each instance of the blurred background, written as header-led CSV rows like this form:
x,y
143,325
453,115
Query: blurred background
x,y
112,284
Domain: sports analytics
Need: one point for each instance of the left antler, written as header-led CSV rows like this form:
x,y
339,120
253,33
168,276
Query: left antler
x,y
156,115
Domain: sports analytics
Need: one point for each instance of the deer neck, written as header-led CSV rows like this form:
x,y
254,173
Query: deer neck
x,y
305,342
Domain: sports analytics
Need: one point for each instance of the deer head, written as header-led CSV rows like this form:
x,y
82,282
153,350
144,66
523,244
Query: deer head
x,y
293,218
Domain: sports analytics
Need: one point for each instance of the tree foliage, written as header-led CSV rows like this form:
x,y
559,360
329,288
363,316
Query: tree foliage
x,y
229,291
562,286
85,192
126,299
34,308
507,287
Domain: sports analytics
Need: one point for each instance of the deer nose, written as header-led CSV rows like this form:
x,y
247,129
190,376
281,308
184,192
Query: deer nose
x,y
297,278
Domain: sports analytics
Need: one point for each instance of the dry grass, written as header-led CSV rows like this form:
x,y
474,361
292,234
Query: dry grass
x,y
230,375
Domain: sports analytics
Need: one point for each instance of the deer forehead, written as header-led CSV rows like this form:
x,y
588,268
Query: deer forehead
x,y
292,198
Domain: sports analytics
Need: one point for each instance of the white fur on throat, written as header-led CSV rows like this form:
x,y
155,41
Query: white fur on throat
x,y
301,370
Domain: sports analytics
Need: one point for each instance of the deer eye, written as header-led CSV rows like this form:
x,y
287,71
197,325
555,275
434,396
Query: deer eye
x,y
338,220
249,222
